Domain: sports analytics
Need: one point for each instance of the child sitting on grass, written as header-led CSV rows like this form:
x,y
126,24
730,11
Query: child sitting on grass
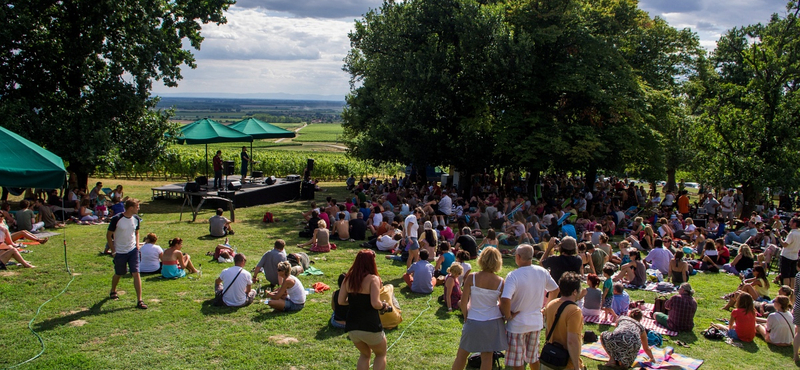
x,y
452,289
621,300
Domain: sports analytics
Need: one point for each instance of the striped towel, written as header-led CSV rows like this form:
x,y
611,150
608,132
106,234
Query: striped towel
x,y
665,357
647,322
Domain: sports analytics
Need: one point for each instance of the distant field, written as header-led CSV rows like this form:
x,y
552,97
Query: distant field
x,y
320,132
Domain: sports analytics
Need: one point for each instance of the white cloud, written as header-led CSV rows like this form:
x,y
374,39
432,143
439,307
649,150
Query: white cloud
x,y
298,47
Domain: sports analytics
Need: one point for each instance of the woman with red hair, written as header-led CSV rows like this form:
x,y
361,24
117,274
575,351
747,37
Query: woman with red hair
x,y
361,292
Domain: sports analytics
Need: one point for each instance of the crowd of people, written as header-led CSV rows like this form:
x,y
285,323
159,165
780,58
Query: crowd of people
x,y
561,241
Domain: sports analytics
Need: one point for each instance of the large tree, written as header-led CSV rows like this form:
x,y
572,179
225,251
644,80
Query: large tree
x,y
746,99
533,85
75,75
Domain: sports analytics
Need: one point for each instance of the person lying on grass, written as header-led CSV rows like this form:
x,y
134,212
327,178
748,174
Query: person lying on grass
x,y
777,328
8,252
291,296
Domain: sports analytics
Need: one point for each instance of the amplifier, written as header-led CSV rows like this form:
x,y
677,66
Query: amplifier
x,y
234,185
191,187
270,180
202,181
292,177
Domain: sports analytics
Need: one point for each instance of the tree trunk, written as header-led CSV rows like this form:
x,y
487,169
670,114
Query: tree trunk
x,y
591,178
751,198
671,179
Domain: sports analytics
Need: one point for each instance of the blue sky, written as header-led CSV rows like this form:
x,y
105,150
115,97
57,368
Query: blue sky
x,y
295,48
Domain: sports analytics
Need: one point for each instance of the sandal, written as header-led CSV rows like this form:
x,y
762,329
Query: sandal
x,y
141,305
682,344
113,295
43,241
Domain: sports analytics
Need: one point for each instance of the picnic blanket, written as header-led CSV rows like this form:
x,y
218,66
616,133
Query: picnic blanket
x,y
647,322
45,234
665,357
651,287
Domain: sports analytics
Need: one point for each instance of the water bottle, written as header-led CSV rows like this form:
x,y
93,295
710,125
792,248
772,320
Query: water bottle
x,y
199,271
235,250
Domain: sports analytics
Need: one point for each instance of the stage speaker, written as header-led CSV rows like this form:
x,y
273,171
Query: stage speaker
x,y
270,180
257,174
292,177
191,187
234,185
307,191
229,167
202,181
310,165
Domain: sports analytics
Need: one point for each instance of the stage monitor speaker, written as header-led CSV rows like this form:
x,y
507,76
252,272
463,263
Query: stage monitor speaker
x,y
310,165
229,167
191,187
270,180
234,185
257,174
201,181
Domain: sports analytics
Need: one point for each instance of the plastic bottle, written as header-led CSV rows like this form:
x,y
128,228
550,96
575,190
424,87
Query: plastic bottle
x,y
199,271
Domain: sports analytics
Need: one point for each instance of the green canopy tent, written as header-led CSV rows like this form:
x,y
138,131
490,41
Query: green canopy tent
x,y
24,164
207,131
259,129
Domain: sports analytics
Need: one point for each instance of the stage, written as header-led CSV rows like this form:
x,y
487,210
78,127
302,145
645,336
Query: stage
x,y
251,193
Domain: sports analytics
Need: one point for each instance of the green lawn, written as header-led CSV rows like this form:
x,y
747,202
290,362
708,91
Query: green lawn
x,y
320,132
84,330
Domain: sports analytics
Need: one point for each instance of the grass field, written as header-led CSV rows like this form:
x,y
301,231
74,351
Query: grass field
x,y
82,329
320,132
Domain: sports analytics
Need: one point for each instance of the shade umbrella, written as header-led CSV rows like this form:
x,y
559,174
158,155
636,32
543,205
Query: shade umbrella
x,y
207,131
259,129
24,164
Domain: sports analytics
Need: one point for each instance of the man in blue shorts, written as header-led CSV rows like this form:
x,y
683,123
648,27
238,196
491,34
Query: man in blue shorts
x,y
123,237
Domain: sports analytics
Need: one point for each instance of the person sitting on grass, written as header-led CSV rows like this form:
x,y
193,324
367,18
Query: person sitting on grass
x,y
174,263
756,287
150,255
8,252
742,324
621,301
46,215
765,308
291,296
452,289
445,259
218,225
419,276
320,240
341,228
681,309
777,328
634,272
9,238
339,315
25,219
240,292
593,300
623,343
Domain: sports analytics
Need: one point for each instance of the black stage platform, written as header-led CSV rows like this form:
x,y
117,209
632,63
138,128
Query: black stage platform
x,y
251,194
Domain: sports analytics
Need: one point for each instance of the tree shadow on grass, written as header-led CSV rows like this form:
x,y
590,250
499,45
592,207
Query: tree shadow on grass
x,y
95,310
266,313
688,337
210,237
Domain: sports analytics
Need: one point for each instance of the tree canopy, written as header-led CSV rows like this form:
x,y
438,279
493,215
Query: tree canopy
x,y
573,85
746,101
75,75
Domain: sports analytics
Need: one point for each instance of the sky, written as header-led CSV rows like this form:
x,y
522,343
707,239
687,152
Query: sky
x,y
294,49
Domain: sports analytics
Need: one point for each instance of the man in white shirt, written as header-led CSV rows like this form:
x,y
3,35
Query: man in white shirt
x,y
444,210
727,203
659,257
521,305
123,238
235,283
411,235
789,254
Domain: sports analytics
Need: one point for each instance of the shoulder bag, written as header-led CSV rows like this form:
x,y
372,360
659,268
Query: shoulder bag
x,y
554,354
218,297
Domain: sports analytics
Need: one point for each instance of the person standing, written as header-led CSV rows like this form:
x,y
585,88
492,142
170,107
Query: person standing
x,y
123,238
360,292
521,305
483,329
217,163
411,230
568,331
789,254
245,162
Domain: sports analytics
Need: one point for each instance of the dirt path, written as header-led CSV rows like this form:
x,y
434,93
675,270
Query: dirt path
x,y
295,131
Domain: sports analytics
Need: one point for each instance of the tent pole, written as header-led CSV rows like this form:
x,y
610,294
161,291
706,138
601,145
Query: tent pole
x,y
252,155
206,160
